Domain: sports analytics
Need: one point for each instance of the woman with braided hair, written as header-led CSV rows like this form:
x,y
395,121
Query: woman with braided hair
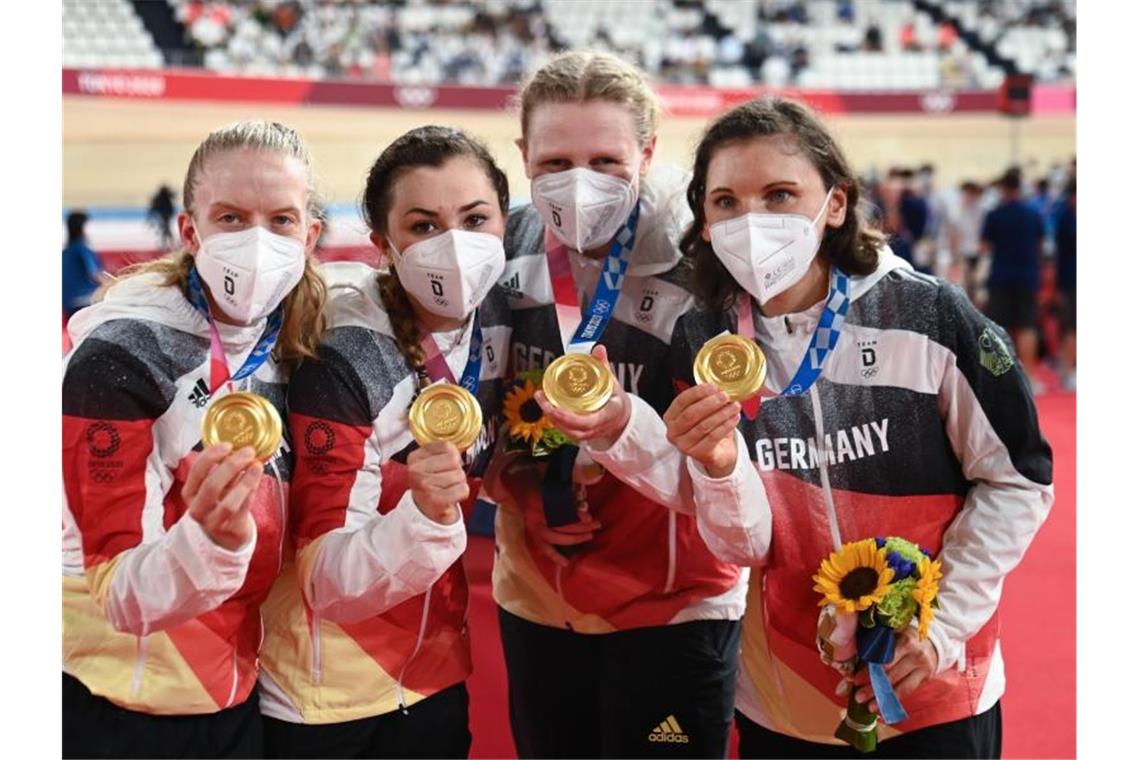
x,y
366,650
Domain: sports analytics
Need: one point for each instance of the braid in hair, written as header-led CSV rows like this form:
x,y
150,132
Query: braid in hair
x,y
422,146
403,320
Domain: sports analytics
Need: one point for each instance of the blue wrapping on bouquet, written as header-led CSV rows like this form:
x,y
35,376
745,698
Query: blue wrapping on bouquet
x,y
559,502
876,648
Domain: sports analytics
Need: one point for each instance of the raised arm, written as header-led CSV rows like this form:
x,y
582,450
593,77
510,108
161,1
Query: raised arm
x,y
354,563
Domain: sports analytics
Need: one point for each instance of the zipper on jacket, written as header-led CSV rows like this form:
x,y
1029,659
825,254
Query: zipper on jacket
x,y
315,635
415,651
140,665
671,576
561,598
284,515
824,481
234,683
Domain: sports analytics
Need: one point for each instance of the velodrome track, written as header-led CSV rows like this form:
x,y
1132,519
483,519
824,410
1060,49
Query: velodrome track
x,y
116,152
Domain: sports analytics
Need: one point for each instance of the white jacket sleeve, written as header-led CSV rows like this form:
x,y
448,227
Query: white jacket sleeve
x,y
163,583
357,572
991,423
733,516
643,458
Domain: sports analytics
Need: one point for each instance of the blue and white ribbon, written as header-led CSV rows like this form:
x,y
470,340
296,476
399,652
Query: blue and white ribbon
x,y
608,290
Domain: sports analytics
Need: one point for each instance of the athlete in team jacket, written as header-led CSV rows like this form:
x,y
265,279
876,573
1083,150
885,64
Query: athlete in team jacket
x,y
169,550
367,650
921,425
629,646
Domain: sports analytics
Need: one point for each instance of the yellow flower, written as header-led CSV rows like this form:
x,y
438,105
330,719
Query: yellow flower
x,y
855,577
929,573
524,415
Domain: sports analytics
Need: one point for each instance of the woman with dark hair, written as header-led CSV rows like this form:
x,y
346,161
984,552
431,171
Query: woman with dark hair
x,y
366,649
893,408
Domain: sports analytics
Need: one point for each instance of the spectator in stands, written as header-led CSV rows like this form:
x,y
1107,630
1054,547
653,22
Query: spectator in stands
x,y
82,271
845,11
1012,236
800,61
873,39
161,215
908,39
1066,231
636,633
947,35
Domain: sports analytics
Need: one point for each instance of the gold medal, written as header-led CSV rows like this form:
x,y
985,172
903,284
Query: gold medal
x,y
735,364
578,383
445,412
243,419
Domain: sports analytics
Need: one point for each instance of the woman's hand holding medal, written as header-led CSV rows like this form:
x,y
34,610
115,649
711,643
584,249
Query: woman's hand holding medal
x,y
602,427
218,492
437,481
701,423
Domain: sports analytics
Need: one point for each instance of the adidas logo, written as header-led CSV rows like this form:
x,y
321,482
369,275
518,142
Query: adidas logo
x,y
200,395
513,286
669,731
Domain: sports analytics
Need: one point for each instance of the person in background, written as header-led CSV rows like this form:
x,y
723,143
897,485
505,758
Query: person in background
x,y
1066,232
964,230
1011,238
1046,207
161,214
913,214
82,270
933,241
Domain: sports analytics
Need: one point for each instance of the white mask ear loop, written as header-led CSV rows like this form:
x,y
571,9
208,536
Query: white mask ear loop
x,y
394,252
823,208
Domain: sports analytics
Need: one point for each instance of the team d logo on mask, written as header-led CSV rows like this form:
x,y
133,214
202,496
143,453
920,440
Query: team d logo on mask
x,y
251,271
451,273
583,208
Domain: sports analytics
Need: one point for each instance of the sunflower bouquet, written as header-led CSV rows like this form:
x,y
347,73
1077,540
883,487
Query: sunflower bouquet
x,y
528,428
872,590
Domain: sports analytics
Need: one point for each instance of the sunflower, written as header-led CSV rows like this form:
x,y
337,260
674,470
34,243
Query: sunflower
x,y
855,577
524,415
925,590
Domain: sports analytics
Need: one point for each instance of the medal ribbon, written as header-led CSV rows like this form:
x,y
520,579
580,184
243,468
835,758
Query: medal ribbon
x,y
219,369
823,341
608,289
436,365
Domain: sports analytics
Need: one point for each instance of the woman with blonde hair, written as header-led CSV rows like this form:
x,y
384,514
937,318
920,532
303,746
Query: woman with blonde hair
x,y
366,651
169,546
620,628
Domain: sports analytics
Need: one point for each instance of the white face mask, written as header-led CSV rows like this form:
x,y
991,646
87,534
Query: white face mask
x,y
250,272
583,208
450,274
767,253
